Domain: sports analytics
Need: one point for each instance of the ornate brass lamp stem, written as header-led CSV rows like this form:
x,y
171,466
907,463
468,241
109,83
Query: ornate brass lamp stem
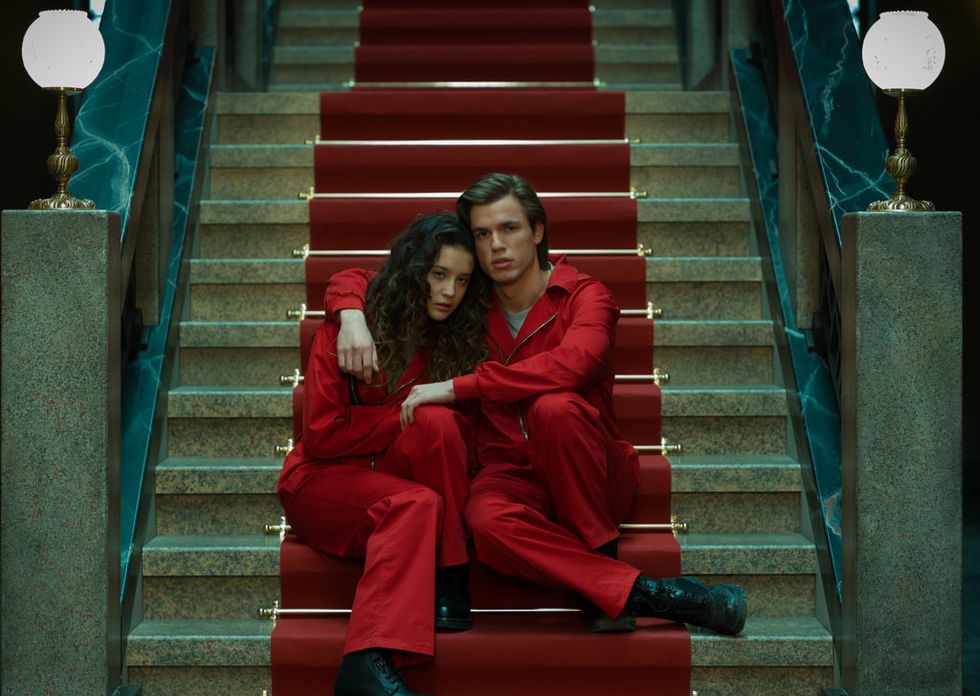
x,y
62,163
901,166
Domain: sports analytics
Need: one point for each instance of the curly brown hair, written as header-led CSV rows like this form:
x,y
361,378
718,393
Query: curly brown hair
x,y
397,299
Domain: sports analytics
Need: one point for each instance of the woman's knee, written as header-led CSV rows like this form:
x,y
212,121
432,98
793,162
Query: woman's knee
x,y
437,421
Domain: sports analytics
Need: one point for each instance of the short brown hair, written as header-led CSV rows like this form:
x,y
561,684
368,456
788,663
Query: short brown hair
x,y
490,188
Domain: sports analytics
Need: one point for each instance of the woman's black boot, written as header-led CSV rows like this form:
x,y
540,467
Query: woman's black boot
x,y
721,608
453,598
370,673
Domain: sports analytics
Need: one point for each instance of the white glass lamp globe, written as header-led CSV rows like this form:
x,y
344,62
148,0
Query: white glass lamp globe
x,y
903,50
63,49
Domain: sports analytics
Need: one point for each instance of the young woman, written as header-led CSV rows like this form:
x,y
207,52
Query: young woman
x,y
361,483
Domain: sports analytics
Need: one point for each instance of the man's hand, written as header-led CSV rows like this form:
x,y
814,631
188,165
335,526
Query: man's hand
x,y
436,393
356,353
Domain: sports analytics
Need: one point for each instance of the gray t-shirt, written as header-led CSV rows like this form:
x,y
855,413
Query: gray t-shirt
x,y
516,320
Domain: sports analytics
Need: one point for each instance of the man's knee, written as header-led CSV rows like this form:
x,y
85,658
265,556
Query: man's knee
x,y
550,410
486,514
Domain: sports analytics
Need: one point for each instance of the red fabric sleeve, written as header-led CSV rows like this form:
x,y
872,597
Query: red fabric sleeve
x,y
347,290
332,427
580,359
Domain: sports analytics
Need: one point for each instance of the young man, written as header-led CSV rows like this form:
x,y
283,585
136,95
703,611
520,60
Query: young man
x,y
556,478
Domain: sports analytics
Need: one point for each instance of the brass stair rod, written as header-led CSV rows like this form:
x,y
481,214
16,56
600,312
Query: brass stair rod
x,y
483,142
311,194
657,377
305,252
303,313
675,527
663,447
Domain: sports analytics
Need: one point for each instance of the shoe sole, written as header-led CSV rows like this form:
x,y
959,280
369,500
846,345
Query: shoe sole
x,y
604,624
446,624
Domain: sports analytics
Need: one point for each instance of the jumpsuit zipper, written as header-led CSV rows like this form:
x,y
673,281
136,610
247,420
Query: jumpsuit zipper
x,y
520,415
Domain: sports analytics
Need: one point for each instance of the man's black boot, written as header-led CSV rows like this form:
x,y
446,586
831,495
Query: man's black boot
x,y
453,598
370,673
721,608
596,620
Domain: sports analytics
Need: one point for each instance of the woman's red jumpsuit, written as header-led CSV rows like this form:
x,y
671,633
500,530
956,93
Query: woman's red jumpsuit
x,y
356,485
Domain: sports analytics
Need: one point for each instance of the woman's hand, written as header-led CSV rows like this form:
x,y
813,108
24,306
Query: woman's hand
x,y
356,353
435,393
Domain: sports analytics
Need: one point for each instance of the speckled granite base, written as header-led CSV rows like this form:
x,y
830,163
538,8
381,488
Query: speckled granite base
x,y
738,512
260,183
236,366
681,182
268,241
61,451
220,597
244,302
271,128
694,238
733,300
901,456
227,437
217,514
678,128
286,74
694,365
202,681
760,681
759,435
640,73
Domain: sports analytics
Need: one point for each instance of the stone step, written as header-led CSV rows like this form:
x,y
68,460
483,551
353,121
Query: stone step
x,y
237,422
703,497
230,353
711,288
249,172
333,27
671,227
299,65
293,117
184,574
791,655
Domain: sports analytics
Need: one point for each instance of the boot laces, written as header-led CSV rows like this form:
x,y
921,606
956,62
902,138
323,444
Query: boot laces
x,y
388,671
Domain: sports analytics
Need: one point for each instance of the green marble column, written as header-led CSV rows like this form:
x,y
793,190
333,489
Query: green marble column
x,y
60,467
901,470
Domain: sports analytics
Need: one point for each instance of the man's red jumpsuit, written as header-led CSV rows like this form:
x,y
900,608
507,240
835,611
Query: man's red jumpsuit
x,y
356,485
556,478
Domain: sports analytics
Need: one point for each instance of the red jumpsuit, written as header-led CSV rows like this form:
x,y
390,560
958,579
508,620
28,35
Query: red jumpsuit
x,y
556,478
356,485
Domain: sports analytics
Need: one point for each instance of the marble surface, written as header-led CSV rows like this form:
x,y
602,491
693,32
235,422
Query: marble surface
x,y
838,95
212,555
221,514
670,332
203,598
111,124
724,401
727,435
142,379
59,478
197,475
818,400
734,473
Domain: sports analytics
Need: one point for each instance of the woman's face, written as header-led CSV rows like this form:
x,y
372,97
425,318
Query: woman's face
x,y
448,279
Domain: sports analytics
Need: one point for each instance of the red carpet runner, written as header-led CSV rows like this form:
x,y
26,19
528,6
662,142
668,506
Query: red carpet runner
x,y
513,654
439,41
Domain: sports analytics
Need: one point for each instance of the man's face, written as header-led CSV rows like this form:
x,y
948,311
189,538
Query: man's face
x,y
506,245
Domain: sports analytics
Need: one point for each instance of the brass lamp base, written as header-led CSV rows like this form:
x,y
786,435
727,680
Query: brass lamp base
x,y
901,204
62,201
901,165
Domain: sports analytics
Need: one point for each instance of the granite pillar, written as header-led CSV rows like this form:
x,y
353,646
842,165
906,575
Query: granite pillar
x,y
901,428
60,446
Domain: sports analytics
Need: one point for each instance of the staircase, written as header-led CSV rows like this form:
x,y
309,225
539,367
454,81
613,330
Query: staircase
x,y
210,567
